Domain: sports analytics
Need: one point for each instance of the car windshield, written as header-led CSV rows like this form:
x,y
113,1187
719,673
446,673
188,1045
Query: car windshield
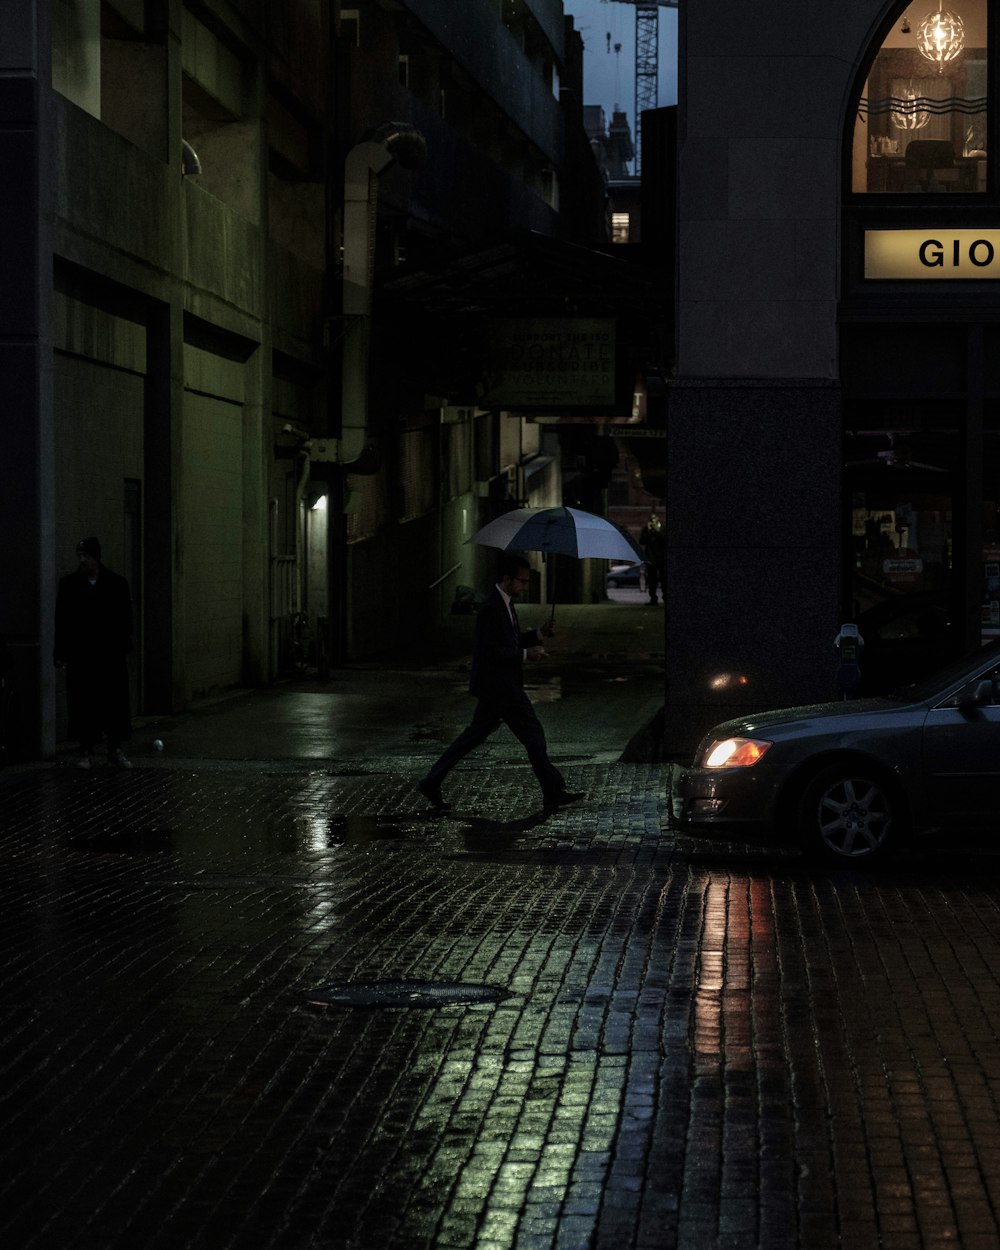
x,y
927,687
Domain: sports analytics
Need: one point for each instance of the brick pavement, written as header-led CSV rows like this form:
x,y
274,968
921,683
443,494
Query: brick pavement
x,y
699,1045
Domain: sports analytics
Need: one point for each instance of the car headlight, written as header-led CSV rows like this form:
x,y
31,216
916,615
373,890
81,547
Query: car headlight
x,y
734,753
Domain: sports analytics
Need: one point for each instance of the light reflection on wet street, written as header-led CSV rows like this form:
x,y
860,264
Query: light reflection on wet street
x,y
681,1044
696,1044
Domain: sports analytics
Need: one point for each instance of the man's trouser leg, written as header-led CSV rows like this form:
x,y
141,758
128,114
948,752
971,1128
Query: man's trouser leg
x,y
527,728
485,720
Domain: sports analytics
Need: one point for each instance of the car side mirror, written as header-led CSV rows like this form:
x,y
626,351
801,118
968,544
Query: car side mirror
x,y
975,694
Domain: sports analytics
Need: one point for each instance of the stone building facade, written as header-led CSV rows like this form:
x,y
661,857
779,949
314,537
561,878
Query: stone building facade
x,y
204,362
832,448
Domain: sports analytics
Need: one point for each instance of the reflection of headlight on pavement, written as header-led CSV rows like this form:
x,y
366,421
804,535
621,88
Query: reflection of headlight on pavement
x,y
722,680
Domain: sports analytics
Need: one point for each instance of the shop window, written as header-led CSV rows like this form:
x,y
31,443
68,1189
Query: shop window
x,y
921,122
900,475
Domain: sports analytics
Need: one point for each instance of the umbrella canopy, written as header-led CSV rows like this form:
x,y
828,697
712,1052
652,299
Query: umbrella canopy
x,y
562,531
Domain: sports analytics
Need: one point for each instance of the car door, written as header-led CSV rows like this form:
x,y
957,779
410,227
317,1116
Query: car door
x,y
961,756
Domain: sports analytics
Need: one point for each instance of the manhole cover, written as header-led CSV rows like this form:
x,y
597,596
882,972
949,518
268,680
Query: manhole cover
x,y
404,994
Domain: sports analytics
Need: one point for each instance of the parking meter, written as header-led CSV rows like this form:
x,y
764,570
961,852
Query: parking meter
x,y
850,645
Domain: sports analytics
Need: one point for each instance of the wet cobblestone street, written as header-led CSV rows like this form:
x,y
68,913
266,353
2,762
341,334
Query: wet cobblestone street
x,y
694,1045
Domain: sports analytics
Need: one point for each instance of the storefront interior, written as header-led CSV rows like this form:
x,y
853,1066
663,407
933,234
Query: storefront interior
x,y
922,116
922,495
920,348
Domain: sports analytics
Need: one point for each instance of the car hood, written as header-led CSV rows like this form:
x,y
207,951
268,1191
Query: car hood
x,y
805,716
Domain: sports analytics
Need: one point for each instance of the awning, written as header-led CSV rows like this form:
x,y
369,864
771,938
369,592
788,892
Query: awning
x,y
528,272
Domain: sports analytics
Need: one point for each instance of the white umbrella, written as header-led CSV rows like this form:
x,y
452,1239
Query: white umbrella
x,y
558,531
565,531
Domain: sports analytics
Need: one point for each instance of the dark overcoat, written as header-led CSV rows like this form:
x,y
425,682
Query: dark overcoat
x,y
93,637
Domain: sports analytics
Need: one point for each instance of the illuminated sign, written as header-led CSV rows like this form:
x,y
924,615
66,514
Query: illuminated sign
x,y
550,363
930,255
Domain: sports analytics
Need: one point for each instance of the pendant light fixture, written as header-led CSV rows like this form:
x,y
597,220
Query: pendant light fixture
x,y
941,37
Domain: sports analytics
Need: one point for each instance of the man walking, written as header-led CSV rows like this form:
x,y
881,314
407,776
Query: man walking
x,y
93,636
497,682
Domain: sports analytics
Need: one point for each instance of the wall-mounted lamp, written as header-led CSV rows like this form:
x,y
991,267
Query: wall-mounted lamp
x,y
189,160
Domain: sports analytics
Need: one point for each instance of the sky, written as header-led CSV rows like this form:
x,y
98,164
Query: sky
x,y
609,77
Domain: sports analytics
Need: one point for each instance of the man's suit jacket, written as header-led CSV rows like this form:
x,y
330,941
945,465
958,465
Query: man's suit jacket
x,y
498,652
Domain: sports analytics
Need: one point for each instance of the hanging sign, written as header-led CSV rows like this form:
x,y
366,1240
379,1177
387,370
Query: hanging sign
x,y
932,255
550,363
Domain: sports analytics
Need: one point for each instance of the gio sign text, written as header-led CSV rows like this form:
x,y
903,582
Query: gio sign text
x,y
928,255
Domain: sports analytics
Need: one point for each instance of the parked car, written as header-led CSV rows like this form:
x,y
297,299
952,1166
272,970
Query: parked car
x,y
625,575
853,780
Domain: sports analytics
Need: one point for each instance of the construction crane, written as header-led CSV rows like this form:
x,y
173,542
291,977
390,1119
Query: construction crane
x,y
647,62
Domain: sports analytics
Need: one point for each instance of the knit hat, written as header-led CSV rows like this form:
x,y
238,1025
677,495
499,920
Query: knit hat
x,y
90,547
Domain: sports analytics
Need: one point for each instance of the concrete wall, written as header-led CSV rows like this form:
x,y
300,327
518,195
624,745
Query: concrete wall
x,y
98,409
147,259
180,298
212,510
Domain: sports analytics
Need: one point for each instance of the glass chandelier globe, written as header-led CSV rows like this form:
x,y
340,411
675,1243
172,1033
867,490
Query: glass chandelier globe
x,y
941,37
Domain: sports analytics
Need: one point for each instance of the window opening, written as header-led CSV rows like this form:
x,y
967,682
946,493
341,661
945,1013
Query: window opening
x,y
921,123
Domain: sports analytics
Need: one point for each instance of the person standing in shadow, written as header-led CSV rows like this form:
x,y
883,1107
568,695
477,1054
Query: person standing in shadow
x,y
654,549
93,636
497,681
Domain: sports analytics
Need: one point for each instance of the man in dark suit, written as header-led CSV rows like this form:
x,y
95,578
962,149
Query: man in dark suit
x,y
497,682
93,639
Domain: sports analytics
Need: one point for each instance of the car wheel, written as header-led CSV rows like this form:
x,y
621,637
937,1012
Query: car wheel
x,y
848,814
612,584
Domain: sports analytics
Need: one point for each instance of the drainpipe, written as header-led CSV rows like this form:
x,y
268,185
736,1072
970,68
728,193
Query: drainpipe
x,y
355,451
394,141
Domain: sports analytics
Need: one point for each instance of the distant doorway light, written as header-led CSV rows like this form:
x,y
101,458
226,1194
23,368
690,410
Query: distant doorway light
x,y
619,227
